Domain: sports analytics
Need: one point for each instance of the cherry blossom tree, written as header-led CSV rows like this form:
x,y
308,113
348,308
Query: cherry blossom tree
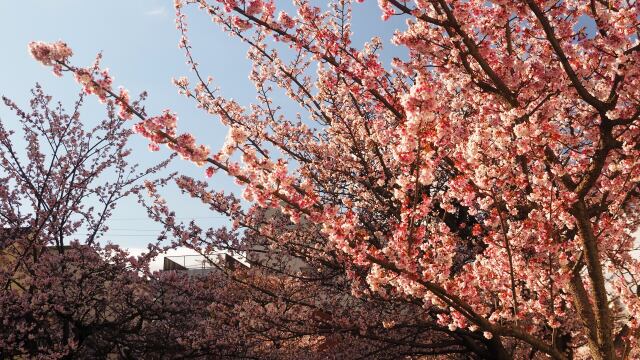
x,y
490,176
295,301
62,295
91,302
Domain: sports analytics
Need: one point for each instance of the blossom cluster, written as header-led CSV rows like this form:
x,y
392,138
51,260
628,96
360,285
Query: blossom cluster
x,y
100,87
51,54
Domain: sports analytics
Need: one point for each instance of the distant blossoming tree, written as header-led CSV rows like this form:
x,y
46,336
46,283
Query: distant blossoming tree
x,y
491,176
62,295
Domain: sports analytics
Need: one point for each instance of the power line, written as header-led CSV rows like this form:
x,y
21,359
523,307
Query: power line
x,y
129,235
136,230
177,218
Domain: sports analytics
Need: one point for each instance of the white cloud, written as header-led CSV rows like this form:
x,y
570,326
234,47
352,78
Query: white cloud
x,y
159,11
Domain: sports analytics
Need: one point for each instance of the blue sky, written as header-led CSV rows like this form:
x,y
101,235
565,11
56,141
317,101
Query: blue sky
x,y
139,44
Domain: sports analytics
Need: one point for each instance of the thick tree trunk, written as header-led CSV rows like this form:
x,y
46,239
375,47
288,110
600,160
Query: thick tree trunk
x,y
497,350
